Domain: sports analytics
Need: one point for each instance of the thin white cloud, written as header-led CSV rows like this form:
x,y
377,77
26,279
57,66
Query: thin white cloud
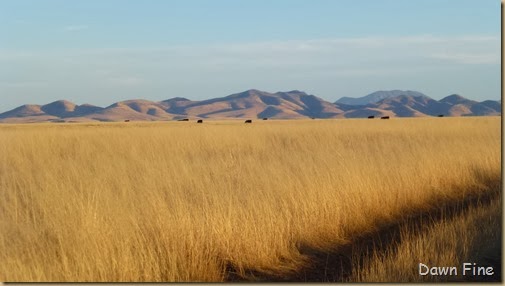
x,y
308,45
477,50
13,55
21,22
280,56
468,58
75,28
22,84
126,81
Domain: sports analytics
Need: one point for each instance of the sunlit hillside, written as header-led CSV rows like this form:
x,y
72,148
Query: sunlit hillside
x,y
224,200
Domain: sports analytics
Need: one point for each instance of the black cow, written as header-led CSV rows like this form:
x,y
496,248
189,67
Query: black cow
x,y
199,121
184,119
385,117
440,115
371,117
248,121
265,118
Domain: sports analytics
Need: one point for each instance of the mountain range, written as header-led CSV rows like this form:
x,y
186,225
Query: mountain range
x,y
258,104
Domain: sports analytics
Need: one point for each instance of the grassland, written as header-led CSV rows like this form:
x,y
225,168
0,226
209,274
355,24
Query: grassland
x,y
223,200
471,236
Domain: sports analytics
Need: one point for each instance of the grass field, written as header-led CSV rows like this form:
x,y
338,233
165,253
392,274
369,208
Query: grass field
x,y
223,200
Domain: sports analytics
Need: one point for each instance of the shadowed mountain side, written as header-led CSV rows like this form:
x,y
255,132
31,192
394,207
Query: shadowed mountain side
x,y
23,111
454,99
408,106
176,105
85,109
270,100
494,105
481,109
60,108
270,111
309,103
315,107
345,107
66,109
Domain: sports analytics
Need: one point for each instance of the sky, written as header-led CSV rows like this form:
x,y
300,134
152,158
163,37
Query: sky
x,y
103,51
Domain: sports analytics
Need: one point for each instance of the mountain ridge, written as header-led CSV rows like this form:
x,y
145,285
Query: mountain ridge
x,y
255,103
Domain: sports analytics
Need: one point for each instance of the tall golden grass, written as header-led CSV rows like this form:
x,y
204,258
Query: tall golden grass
x,y
474,236
179,201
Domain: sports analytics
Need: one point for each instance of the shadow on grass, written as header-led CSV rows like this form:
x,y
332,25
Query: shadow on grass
x,y
336,265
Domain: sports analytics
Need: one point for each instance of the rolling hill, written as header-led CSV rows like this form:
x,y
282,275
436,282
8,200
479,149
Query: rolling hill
x,y
254,103
415,104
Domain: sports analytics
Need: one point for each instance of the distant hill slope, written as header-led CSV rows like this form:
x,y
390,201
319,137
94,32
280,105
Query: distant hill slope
x,y
257,104
376,97
461,106
254,103
408,106
421,105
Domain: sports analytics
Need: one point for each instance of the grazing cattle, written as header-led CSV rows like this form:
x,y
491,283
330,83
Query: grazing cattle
x,y
265,118
371,117
199,121
248,121
184,119
385,117
127,120
440,115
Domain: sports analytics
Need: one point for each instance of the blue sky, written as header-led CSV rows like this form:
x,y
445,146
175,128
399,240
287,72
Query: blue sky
x,y
103,51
